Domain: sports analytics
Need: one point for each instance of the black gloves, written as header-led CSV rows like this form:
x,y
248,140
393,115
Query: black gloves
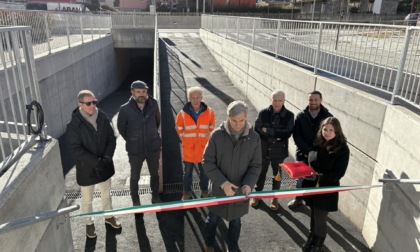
x,y
104,167
311,178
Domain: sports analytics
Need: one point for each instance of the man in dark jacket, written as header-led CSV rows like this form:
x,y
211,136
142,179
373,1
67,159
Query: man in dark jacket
x,y
138,123
304,133
232,161
92,142
275,126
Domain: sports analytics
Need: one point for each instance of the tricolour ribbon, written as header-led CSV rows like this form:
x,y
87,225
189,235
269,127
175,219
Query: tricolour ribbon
x,y
212,201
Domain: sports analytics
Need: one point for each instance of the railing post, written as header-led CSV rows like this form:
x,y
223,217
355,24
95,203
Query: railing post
x,y
14,22
226,25
399,78
67,29
91,25
98,27
212,23
253,33
277,40
81,28
47,31
318,50
237,29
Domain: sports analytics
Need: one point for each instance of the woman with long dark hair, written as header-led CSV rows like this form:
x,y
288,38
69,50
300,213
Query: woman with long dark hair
x,y
330,161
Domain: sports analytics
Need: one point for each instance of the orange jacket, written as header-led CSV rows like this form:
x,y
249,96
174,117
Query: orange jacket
x,y
194,135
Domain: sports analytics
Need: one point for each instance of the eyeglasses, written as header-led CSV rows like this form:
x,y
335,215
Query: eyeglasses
x,y
94,102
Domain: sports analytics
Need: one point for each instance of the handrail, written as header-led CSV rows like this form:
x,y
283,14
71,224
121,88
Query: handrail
x,y
12,225
401,181
382,57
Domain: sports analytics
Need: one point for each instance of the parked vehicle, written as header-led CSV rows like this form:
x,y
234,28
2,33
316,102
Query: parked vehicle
x,y
411,19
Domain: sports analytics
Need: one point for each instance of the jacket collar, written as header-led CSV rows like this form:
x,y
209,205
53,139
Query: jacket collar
x,y
188,105
248,127
282,111
322,110
132,101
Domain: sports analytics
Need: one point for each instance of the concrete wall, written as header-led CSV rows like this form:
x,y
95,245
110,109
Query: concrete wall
x,y
376,131
22,194
133,37
63,74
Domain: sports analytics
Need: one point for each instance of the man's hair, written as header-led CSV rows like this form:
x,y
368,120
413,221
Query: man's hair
x,y
237,107
83,93
193,90
316,93
278,92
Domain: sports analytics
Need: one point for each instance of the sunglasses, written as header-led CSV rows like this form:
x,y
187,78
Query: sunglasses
x,y
94,102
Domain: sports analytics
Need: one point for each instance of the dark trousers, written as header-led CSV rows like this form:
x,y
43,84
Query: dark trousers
x,y
136,163
188,174
299,182
234,231
274,167
319,222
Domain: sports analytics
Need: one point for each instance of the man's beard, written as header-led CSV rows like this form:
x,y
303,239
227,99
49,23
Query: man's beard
x,y
141,99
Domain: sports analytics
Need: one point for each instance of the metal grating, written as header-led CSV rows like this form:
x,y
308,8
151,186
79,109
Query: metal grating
x,y
168,188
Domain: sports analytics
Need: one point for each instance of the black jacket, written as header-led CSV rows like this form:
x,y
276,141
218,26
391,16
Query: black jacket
x,y
304,132
333,166
87,145
140,128
275,142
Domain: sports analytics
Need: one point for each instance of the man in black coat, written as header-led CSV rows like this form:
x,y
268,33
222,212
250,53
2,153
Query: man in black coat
x,y
275,126
304,133
138,123
92,142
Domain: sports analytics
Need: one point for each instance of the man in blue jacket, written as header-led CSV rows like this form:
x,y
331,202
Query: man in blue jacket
x,y
138,123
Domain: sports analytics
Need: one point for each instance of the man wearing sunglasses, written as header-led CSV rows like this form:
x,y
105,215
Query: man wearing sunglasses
x,y
138,123
92,142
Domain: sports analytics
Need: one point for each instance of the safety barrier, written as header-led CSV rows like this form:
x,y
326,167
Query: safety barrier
x,y
19,92
383,57
54,30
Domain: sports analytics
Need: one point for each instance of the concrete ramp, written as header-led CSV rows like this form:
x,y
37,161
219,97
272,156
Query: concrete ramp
x,y
185,62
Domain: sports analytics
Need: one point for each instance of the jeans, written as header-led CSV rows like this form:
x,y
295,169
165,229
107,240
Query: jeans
x,y
136,163
275,168
234,231
188,172
87,198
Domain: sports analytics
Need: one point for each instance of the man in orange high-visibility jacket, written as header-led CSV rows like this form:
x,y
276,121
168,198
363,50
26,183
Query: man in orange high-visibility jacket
x,y
194,123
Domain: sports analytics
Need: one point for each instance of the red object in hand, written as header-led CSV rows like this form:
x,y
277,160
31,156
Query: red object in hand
x,y
297,170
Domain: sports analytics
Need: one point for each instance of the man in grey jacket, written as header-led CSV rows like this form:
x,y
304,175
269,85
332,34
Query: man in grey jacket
x,y
232,161
138,123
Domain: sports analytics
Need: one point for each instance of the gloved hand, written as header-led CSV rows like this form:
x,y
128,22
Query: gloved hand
x,y
104,164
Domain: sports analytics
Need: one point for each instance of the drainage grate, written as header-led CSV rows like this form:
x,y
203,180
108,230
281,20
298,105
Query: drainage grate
x,y
168,188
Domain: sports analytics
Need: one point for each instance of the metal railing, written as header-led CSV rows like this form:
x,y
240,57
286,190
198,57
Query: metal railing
x,y
132,20
383,57
54,30
20,223
19,88
318,16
